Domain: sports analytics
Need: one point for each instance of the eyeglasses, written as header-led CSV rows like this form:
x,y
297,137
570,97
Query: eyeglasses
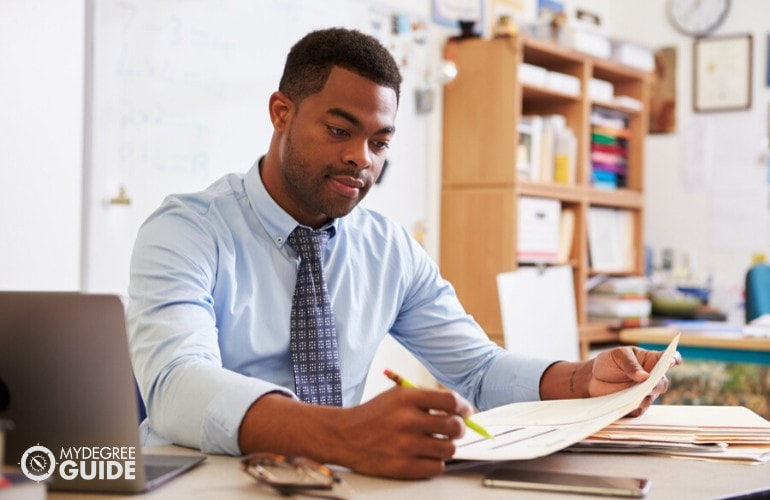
x,y
295,475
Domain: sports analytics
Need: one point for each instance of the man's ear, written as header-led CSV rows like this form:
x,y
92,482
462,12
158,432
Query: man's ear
x,y
281,109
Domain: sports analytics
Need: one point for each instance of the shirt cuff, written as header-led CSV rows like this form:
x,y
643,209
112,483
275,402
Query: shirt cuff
x,y
511,379
222,421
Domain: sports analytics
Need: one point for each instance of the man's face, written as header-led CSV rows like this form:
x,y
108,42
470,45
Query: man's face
x,y
334,147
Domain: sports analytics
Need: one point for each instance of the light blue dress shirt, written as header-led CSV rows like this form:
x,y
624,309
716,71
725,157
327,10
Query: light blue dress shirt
x,y
210,298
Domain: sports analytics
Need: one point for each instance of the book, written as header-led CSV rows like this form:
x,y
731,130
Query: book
x,y
624,285
566,157
547,141
528,155
620,302
618,307
610,239
546,150
618,323
566,234
609,148
523,150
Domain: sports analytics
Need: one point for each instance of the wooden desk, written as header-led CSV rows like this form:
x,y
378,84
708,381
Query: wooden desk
x,y
220,477
718,346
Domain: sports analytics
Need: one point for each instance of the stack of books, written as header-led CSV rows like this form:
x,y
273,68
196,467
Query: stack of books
x,y
609,148
621,302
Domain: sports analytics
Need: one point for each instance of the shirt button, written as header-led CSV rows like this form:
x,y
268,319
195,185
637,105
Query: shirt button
x,y
279,239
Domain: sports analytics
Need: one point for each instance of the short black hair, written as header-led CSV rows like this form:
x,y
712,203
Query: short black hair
x,y
311,59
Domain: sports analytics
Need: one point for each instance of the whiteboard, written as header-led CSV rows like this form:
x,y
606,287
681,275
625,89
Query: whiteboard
x,y
176,97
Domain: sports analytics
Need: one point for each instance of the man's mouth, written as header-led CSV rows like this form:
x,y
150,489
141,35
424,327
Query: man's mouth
x,y
347,186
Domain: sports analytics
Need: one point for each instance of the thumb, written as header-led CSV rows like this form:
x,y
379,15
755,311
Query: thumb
x,y
632,368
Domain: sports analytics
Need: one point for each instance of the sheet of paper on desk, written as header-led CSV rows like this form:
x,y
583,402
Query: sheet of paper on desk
x,y
538,428
732,433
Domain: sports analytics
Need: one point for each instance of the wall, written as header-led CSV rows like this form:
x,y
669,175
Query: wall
x,y
41,125
41,95
43,228
706,191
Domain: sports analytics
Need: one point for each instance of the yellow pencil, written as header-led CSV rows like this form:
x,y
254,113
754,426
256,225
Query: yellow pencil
x,y
470,423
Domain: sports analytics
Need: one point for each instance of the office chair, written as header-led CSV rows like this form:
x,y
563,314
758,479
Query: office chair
x,y
757,291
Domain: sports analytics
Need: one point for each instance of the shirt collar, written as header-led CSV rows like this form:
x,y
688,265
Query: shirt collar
x,y
276,221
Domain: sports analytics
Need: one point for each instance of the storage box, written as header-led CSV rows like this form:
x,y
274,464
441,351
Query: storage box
x,y
532,75
562,82
601,90
591,43
538,230
633,55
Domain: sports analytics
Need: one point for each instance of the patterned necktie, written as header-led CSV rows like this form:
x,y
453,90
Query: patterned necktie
x,y
313,344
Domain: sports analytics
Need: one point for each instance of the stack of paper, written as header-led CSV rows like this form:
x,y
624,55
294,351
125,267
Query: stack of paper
x,y
732,433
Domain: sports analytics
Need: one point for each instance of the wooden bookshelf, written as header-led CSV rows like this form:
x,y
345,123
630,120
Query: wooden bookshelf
x,y
480,184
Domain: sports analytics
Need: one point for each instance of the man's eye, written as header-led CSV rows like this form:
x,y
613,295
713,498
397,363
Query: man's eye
x,y
338,132
381,145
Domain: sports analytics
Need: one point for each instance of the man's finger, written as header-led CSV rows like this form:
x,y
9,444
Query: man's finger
x,y
631,366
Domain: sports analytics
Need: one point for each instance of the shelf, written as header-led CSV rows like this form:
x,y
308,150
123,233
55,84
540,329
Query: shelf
x,y
480,186
612,71
544,53
536,93
631,112
625,272
619,198
598,333
564,192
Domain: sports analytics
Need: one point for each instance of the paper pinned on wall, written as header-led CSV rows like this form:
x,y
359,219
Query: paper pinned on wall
x,y
538,312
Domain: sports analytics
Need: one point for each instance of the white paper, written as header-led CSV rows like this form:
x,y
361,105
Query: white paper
x,y
538,428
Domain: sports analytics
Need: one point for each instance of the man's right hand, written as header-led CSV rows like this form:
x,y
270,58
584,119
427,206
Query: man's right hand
x,y
402,433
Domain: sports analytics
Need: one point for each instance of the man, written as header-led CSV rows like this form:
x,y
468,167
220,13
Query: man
x,y
214,277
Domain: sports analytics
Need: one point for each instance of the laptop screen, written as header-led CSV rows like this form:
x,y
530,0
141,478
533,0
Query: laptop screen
x,y
70,393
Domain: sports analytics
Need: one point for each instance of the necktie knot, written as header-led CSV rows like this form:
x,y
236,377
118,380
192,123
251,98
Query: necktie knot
x,y
308,244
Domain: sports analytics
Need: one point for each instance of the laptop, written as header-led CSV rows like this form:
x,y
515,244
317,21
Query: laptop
x,y
67,387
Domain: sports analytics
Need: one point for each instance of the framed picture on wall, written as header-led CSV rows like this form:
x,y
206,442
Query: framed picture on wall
x,y
722,73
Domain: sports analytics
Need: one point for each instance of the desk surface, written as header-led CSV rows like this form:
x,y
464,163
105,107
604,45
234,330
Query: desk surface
x,y
220,477
715,340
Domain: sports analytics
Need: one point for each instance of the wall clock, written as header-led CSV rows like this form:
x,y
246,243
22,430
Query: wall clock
x,y
697,17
